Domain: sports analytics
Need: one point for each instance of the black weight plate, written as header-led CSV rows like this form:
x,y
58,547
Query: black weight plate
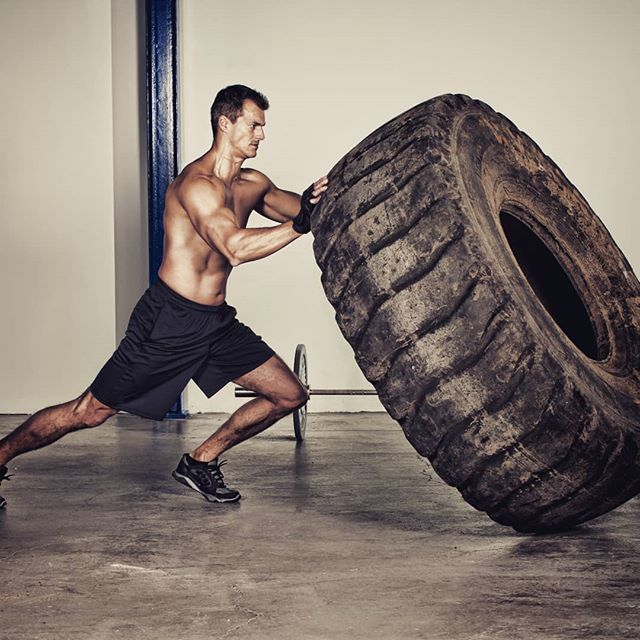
x,y
300,369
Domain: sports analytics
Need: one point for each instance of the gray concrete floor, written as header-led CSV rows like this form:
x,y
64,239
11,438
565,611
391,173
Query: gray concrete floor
x,y
349,536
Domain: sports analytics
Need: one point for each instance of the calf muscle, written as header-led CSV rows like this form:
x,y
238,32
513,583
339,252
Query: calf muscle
x,y
281,393
50,424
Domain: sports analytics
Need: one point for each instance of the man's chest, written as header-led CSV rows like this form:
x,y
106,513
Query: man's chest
x,y
242,199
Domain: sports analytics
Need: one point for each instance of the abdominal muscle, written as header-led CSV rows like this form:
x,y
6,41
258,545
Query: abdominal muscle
x,y
190,266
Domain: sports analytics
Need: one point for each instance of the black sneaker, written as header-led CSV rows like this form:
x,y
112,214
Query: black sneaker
x,y
3,476
205,478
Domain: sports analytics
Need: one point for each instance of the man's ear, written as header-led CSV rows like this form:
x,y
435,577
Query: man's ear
x,y
223,123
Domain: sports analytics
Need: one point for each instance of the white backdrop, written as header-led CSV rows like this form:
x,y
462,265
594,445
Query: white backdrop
x,y
566,72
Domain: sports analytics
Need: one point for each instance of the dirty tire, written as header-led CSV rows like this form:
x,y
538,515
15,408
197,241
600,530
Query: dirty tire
x,y
492,311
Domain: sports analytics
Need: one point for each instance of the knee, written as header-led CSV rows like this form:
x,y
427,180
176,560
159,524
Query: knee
x,y
89,412
97,417
293,398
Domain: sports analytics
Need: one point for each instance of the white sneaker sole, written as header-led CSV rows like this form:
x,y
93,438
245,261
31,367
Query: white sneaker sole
x,y
185,480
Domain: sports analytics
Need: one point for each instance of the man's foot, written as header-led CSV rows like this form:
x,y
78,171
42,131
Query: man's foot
x,y
3,476
205,478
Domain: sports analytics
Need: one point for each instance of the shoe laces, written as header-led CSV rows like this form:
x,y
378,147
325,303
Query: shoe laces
x,y
211,474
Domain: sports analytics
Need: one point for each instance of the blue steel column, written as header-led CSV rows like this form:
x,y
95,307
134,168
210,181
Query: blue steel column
x,y
162,126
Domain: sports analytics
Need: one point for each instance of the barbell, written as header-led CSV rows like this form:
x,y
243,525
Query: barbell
x,y
301,370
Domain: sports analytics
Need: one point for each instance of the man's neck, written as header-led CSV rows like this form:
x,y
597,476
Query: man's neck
x,y
223,163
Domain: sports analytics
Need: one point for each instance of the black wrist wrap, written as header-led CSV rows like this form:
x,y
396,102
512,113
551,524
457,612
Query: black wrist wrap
x,y
302,222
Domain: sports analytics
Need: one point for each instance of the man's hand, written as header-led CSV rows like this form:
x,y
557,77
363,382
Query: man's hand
x,y
310,197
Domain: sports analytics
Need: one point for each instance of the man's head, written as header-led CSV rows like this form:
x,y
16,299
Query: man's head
x,y
230,103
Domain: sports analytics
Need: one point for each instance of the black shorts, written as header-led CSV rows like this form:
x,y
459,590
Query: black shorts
x,y
170,340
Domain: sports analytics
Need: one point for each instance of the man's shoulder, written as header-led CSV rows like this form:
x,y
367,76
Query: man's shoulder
x,y
255,176
197,193
192,181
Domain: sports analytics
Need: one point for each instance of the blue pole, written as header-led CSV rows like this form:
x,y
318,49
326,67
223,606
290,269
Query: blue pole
x,y
162,127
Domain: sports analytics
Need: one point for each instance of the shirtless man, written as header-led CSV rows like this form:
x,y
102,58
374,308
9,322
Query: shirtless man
x,y
182,328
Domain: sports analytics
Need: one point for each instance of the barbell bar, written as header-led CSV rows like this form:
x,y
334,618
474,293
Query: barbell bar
x,y
301,370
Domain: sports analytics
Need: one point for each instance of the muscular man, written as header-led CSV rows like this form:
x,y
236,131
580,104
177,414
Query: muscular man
x,y
182,328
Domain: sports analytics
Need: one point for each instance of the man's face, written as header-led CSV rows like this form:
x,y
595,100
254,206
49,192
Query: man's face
x,y
246,133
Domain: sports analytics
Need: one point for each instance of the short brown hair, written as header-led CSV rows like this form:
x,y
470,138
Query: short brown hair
x,y
230,100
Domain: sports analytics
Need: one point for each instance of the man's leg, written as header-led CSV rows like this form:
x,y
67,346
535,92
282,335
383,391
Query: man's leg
x,y
48,425
280,394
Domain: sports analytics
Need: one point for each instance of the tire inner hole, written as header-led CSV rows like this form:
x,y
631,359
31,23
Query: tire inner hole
x,y
551,285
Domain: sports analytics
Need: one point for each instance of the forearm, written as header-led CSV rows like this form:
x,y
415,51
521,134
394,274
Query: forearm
x,y
252,244
291,207
280,205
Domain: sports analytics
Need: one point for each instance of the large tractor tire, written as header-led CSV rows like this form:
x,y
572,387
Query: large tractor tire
x,y
492,311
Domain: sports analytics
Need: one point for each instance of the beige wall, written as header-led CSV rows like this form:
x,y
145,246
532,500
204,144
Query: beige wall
x,y
73,244
73,248
129,156
56,179
566,72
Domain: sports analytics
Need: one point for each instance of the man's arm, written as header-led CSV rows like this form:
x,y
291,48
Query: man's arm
x,y
216,224
281,205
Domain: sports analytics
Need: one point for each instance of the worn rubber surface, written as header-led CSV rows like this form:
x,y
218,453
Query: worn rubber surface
x,y
525,402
